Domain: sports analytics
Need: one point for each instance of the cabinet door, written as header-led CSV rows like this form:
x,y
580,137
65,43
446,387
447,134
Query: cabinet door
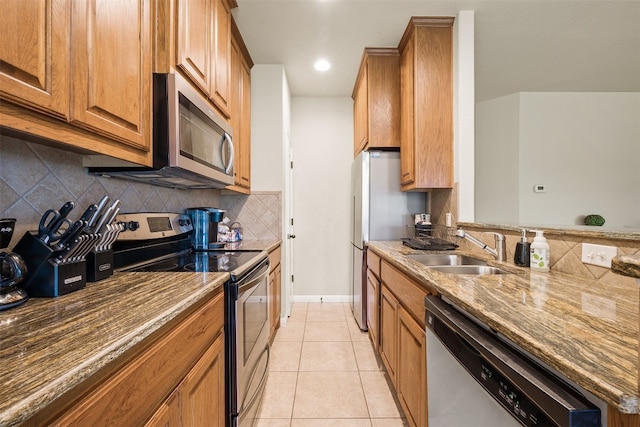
x,y
389,331
201,394
412,369
111,72
168,415
244,166
406,115
195,41
360,112
241,114
373,307
34,54
221,64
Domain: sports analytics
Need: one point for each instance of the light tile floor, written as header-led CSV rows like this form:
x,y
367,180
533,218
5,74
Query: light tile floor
x,y
324,372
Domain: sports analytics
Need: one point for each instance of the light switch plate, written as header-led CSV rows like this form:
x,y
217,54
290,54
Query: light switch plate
x,y
598,254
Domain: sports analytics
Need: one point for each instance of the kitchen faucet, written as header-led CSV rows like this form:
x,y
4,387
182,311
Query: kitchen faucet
x,y
499,252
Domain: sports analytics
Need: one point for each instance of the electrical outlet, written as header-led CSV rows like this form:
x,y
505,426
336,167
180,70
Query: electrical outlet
x,y
598,254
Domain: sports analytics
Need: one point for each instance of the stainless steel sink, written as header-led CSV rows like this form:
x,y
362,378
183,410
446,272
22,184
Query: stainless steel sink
x,y
445,259
478,270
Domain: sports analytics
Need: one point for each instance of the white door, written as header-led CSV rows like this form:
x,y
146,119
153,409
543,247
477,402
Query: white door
x,y
289,232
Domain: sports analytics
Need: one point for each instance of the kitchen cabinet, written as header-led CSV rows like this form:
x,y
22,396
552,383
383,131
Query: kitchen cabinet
x,y
373,297
203,51
426,99
411,378
202,393
241,65
165,382
376,96
402,340
34,59
373,307
113,100
53,74
389,331
275,290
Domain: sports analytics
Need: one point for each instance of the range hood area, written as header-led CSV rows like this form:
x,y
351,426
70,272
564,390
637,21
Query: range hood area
x,y
167,176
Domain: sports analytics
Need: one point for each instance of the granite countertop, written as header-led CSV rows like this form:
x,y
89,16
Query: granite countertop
x,y
627,265
48,346
257,245
585,329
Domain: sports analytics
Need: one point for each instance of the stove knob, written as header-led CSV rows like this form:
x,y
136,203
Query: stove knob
x,y
183,222
133,225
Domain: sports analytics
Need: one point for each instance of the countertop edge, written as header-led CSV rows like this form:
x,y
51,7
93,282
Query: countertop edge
x,y
626,265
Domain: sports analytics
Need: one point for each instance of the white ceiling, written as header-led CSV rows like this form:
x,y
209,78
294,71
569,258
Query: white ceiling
x,y
521,45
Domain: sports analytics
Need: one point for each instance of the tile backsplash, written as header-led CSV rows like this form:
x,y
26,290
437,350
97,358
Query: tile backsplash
x,y
34,178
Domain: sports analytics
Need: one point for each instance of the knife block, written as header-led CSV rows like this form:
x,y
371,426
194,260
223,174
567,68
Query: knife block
x,y
99,265
46,278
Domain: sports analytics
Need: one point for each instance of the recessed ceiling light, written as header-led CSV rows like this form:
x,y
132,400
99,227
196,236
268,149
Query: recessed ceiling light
x,y
322,65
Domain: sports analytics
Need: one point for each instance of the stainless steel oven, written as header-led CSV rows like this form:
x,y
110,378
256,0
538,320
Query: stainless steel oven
x,y
247,309
161,242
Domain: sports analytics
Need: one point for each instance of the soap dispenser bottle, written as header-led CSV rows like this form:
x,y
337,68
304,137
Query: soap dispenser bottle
x,y
539,258
521,255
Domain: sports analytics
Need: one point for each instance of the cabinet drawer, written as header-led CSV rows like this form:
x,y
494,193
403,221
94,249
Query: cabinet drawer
x,y
373,262
408,293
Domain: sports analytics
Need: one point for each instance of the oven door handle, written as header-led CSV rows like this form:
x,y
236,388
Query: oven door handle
x,y
258,391
259,276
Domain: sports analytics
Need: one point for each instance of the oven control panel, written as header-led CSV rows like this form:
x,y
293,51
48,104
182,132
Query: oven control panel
x,y
153,225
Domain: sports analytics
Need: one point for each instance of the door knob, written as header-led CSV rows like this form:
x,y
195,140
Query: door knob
x,y
291,236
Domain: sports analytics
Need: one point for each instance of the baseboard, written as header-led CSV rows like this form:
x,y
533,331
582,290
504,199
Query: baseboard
x,y
322,298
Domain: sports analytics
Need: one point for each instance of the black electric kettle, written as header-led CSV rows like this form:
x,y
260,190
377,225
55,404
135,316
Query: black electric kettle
x,y
12,269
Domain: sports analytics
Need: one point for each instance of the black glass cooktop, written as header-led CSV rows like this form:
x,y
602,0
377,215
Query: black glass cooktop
x,y
201,261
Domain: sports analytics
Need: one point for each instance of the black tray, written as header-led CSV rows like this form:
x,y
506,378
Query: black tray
x,y
429,244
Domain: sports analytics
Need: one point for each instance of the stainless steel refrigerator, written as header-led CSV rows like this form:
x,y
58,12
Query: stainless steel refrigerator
x,y
380,211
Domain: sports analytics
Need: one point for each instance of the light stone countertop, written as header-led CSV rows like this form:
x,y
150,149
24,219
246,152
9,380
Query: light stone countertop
x,y
49,346
627,265
585,329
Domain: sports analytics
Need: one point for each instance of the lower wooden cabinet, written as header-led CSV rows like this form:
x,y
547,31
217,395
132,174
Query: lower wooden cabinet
x,y
177,380
275,290
373,307
201,394
411,375
389,331
402,341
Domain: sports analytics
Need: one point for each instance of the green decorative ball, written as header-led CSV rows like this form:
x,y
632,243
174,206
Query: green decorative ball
x,y
594,219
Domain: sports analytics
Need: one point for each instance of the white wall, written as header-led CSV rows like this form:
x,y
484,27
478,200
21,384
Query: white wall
x,y
497,160
322,135
268,115
584,147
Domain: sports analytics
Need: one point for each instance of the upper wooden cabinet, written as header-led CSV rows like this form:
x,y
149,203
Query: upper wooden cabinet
x,y
376,96
34,58
426,99
87,63
111,69
240,103
203,50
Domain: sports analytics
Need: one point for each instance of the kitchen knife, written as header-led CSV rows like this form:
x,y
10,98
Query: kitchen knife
x,y
70,235
101,206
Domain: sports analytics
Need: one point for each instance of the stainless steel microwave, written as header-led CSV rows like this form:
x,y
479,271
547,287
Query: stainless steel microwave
x,y
192,143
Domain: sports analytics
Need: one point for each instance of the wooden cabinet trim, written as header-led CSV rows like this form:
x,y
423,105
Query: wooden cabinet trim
x,y
389,332
412,365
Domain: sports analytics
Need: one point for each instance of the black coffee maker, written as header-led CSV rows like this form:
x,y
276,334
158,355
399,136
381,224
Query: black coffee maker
x,y
12,269
205,227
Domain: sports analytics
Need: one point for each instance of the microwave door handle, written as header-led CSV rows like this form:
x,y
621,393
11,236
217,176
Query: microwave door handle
x,y
229,142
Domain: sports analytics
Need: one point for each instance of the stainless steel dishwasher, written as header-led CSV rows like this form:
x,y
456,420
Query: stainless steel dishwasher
x,y
476,379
